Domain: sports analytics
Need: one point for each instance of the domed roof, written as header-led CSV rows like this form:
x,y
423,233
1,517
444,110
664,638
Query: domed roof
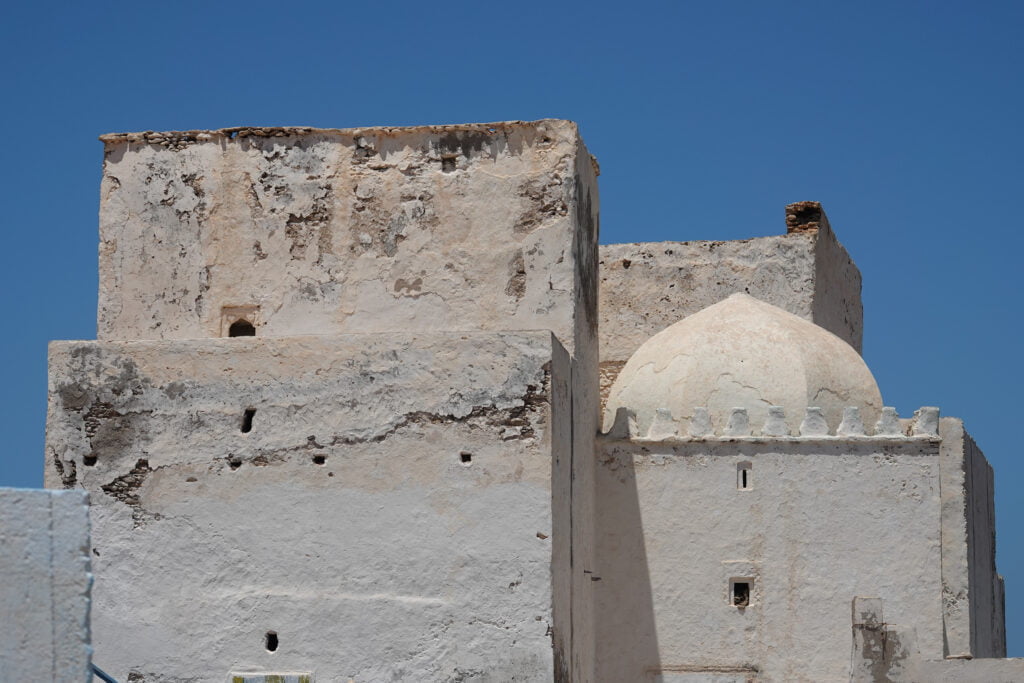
x,y
744,353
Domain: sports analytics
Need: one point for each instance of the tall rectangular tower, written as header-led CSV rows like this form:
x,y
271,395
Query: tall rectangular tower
x,y
328,422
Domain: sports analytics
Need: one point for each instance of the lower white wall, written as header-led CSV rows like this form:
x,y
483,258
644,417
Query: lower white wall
x,y
388,516
823,523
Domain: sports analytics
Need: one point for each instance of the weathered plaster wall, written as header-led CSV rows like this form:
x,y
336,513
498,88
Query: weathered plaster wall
x,y
646,287
388,514
305,231
972,590
825,520
44,594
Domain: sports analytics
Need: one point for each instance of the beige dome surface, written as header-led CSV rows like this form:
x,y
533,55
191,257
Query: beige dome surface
x,y
744,353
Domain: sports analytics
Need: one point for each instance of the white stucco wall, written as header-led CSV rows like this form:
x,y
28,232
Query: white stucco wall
x,y
826,520
44,594
388,516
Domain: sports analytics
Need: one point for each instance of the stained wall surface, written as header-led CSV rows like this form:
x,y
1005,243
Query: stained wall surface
x,y
44,594
823,521
313,231
381,484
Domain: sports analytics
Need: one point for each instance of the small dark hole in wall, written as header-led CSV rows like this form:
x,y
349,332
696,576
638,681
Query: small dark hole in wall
x,y
319,459
271,641
744,476
89,460
466,457
235,463
740,593
247,420
448,164
241,328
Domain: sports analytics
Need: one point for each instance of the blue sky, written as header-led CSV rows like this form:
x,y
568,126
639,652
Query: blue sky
x,y
903,118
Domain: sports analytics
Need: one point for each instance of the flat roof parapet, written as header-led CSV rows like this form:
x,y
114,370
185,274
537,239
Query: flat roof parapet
x,y
234,132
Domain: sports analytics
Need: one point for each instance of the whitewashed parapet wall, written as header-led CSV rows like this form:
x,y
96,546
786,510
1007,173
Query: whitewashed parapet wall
x,y
44,593
647,286
814,424
379,504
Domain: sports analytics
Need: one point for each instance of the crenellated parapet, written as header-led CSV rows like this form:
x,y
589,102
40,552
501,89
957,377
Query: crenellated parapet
x,y
738,425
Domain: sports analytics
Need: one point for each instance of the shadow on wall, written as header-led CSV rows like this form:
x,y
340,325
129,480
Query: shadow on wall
x,y
625,631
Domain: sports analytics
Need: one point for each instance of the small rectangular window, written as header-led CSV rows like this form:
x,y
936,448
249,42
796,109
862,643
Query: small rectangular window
x,y
739,592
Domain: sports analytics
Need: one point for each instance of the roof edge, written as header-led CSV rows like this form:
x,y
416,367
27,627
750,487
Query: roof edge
x,y
157,137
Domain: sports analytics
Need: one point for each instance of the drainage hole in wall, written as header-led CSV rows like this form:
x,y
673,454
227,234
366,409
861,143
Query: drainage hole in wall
x,y
89,460
247,420
242,328
235,463
271,641
465,457
319,459
447,164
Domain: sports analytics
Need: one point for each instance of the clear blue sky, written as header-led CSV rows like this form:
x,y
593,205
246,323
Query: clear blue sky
x,y
903,118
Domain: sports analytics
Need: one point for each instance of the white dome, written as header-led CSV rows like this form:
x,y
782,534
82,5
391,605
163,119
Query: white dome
x,y
744,353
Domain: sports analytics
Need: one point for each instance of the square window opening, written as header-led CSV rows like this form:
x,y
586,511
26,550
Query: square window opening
x,y
739,591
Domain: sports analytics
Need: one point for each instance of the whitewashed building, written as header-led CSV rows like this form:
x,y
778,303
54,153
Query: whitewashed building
x,y
343,422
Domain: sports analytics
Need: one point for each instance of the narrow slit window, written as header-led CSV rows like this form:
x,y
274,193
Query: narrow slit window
x,y
271,641
744,476
740,592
